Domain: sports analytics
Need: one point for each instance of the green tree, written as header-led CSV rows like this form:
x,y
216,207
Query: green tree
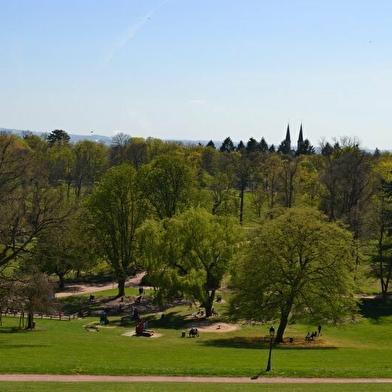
x,y
382,257
294,264
28,205
65,248
190,254
117,209
227,145
166,183
91,160
31,291
58,136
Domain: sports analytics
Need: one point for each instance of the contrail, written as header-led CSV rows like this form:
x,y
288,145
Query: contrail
x,y
130,34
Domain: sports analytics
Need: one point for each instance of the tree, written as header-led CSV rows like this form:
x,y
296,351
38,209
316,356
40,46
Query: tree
x,y
298,263
287,179
227,145
91,160
243,170
305,148
284,148
117,209
272,168
263,146
211,144
347,184
58,136
190,254
28,205
166,183
31,291
252,145
65,247
382,257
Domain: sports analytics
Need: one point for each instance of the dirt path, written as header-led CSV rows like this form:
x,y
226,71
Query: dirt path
x,y
86,288
135,282
232,380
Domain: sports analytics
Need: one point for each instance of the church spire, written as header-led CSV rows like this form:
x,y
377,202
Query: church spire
x,y
288,140
300,138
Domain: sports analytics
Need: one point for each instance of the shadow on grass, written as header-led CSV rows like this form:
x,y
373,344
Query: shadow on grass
x,y
13,329
258,343
171,320
374,308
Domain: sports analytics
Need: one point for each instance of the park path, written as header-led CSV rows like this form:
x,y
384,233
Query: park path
x,y
231,380
134,282
74,289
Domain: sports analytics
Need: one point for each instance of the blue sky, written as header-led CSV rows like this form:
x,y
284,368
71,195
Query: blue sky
x,y
199,69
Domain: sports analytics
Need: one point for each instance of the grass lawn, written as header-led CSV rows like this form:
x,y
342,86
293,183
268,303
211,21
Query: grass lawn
x,y
361,349
175,387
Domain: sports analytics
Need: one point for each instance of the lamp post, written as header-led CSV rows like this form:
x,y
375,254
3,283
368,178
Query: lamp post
x,y
272,334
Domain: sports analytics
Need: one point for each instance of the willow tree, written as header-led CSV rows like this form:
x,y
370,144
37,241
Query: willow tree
x,y
190,254
117,209
298,263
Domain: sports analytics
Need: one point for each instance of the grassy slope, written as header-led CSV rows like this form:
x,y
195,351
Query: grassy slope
x,y
361,349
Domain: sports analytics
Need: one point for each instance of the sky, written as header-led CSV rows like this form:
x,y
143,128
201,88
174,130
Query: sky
x,y
199,69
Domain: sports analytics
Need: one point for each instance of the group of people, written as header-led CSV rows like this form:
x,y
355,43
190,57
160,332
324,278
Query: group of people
x,y
312,335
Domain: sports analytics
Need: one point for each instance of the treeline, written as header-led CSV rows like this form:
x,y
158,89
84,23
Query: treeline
x,y
167,207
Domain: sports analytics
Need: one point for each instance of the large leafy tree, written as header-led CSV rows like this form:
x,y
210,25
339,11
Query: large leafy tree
x,y
166,183
347,184
382,254
28,205
294,264
190,254
64,248
117,209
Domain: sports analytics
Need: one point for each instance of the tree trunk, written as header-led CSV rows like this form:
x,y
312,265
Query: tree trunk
x,y
208,306
284,318
61,280
121,287
30,320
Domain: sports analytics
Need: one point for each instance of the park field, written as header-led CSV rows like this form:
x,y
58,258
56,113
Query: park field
x,y
360,349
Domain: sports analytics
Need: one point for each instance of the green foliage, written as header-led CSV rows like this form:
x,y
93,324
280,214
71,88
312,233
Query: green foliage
x,y
166,183
295,263
117,209
190,254
58,136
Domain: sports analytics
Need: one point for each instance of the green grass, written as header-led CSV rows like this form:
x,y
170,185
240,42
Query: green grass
x,y
189,387
360,349
174,387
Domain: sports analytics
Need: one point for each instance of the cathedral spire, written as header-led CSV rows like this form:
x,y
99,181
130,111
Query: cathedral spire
x,y
300,138
288,140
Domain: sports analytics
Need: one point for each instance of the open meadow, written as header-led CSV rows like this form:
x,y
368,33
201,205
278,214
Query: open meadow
x,y
360,349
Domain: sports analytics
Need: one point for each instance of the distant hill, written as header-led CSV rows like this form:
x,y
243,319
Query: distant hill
x,y
74,138
99,138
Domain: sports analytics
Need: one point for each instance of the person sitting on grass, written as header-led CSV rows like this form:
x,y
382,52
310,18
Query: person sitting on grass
x,y
193,333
